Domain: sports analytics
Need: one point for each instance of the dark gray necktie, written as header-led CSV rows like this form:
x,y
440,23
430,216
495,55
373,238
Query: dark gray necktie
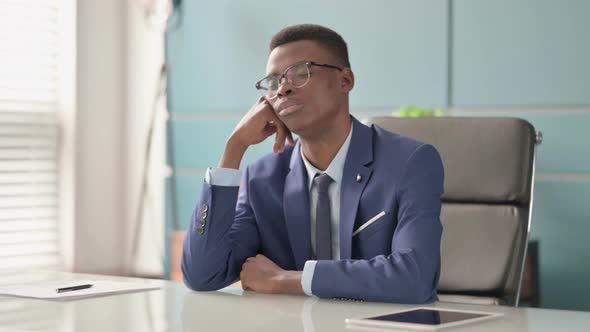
x,y
323,222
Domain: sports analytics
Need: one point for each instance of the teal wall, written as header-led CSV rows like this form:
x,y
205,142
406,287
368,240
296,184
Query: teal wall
x,y
479,57
521,53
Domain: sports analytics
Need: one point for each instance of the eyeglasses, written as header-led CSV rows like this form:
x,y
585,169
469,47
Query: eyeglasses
x,y
297,75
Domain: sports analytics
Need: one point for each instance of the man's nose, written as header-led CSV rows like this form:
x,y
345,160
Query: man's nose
x,y
285,89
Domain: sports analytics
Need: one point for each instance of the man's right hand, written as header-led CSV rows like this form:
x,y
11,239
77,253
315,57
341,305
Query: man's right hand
x,y
257,125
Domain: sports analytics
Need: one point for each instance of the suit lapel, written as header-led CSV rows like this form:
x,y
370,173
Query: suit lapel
x,y
296,207
358,158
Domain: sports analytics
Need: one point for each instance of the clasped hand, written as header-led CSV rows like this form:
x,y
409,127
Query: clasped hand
x,y
262,275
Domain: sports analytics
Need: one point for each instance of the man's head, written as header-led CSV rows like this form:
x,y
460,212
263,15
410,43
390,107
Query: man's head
x,y
327,38
318,99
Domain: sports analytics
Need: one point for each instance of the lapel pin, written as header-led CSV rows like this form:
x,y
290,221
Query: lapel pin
x,y
359,178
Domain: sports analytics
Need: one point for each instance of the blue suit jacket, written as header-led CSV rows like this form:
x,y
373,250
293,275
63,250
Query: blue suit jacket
x,y
395,259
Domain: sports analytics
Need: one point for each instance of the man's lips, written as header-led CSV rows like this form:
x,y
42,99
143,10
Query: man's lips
x,y
289,108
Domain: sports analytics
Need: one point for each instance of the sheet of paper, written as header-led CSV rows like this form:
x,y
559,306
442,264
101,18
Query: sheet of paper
x,y
48,290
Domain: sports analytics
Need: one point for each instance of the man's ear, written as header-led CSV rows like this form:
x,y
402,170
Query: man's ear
x,y
346,80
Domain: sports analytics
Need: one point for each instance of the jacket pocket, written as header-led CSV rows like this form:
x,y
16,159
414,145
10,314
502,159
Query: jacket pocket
x,y
371,225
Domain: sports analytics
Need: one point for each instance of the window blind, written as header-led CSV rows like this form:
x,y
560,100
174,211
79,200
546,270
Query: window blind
x,y
29,135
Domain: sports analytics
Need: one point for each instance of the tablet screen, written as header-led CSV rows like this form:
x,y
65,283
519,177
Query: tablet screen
x,y
427,317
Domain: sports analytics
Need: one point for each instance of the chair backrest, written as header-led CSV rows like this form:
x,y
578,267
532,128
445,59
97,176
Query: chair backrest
x,y
489,170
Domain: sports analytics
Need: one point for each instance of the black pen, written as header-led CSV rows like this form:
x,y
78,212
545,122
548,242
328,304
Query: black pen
x,y
73,288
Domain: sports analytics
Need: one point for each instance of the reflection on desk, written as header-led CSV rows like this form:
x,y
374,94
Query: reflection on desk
x,y
175,308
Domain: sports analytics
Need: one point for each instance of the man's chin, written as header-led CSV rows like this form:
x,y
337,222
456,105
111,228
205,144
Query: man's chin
x,y
301,131
296,127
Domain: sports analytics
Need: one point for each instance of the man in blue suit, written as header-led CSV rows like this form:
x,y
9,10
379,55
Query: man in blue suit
x,y
346,211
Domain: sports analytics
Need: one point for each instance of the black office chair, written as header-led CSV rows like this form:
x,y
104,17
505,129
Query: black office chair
x,y
486,213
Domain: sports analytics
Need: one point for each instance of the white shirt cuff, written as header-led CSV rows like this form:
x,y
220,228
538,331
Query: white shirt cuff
x,y
228,177
307,276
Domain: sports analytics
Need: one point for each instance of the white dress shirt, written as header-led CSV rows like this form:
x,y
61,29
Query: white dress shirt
x,y
334,170
232,177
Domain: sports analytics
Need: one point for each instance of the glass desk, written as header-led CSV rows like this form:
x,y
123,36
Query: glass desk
x,y
176,308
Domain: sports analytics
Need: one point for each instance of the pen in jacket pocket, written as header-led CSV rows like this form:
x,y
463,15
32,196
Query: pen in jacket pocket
x,y
365,225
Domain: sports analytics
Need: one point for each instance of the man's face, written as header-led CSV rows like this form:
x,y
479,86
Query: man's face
x,y
307,109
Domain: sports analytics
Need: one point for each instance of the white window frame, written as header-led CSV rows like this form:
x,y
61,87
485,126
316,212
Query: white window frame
x,y
66,118
63,119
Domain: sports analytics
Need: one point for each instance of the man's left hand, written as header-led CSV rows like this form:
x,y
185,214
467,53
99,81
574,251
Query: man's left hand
x,y
262,275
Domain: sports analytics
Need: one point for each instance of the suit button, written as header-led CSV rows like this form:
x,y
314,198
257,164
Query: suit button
x,y
203,215
200,230
205,208
202,223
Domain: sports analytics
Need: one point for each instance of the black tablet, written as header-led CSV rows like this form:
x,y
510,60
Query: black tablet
x,y
423,319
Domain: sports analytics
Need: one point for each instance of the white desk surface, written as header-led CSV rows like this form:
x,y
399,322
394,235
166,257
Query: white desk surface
x,y
175,308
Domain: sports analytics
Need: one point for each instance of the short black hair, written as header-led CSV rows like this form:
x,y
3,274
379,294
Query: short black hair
x,y
326,37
